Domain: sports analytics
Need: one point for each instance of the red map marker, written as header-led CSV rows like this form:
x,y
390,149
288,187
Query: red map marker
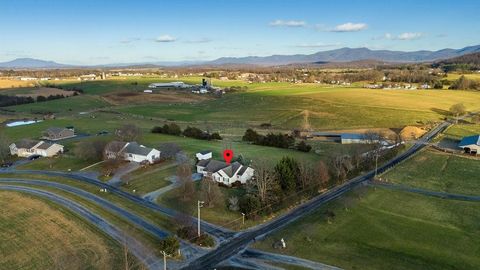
x,y
227,155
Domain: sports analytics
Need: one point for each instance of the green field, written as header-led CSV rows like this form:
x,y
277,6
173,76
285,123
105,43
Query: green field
x,y
327,108
61,106
383,229
439,172
461,130
40,235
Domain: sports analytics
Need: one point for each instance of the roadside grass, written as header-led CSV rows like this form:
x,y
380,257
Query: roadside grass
x,y
438,171
150,241
37,234
375,228
219,214
154,217
145,180
57,163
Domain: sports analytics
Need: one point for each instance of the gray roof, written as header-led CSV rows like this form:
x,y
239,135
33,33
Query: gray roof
x,y
54,130
475,139
44,146
204,152
25,143
137,149
242,170
203,162
215,165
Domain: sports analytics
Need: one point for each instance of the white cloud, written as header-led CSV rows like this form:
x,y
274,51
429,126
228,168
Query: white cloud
x,y
290,23
200,40
409,36
402,36
166,38
316,45
350,27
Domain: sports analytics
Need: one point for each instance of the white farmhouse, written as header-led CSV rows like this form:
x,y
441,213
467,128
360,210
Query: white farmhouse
x,y
131,151
26,148
224,173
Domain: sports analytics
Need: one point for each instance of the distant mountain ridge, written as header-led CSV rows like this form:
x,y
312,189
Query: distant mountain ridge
x,y
32,63
333,56
348,55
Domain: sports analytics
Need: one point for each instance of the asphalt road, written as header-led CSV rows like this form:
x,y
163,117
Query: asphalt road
x,y
135,247
238,243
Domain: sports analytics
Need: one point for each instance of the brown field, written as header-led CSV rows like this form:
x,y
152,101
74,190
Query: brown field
x,y
8,83
35,235
167,96
45,91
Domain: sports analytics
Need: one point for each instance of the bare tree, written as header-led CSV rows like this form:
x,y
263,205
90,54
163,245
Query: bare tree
x,y
263,183
184,174
90,150
322,174
233,203
128,132
4,147
210,192
169,150
306,177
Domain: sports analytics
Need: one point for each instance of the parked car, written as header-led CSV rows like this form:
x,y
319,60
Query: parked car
x,y
33,157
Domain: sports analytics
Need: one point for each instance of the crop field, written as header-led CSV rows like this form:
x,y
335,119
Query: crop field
x,y
438,171
324,108
383,229
37,235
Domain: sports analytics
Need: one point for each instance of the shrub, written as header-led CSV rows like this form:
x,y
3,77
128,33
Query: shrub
x,y
302,146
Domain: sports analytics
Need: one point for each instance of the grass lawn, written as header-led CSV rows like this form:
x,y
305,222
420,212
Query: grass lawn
x,y
39,235
437,171
383,229
149,179
57,163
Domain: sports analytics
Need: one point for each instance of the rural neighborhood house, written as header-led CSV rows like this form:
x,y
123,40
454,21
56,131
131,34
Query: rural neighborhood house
x,y
56,133
26,148
224,173
131,151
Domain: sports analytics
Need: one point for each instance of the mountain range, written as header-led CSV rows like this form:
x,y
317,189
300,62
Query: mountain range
x,y
337,55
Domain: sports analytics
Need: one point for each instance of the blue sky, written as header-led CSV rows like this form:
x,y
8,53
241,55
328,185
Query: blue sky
x,y
96,32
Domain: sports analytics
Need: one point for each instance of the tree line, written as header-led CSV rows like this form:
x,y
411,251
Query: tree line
x,y
278,140
191,132
6,100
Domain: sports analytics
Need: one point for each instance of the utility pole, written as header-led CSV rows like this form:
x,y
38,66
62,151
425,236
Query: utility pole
x,y
165,260
243,218
199,205
376,164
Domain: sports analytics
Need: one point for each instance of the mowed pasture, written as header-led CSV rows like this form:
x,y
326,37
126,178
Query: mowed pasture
x,y
383,229
63,106
37,235
325,108
434,170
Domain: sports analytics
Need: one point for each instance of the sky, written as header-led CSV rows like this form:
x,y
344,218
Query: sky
x,y
100,32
